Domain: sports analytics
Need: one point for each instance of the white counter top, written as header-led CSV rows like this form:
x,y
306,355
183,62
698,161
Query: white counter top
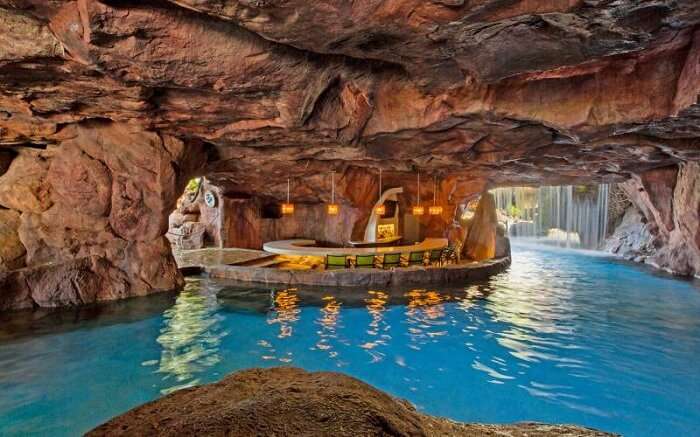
x,y
307,248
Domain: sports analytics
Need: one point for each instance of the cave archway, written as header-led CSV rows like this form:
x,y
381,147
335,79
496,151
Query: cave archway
x,y
109,124
92,214
394,219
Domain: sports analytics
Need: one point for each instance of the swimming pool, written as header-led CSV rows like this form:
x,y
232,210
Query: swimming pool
x,y
562,336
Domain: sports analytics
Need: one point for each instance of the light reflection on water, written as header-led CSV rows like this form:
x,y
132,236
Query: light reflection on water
x,y
560,337
190,338
285,311
378,328
327,322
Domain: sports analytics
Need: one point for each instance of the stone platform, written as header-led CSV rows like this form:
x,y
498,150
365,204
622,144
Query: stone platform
x,y
363,277
200,258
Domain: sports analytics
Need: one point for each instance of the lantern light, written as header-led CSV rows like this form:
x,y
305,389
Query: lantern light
x,y
380,209
288,208
332,208
418,209
435,209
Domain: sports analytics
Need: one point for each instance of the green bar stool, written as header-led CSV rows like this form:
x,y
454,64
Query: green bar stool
x,y
391,260
436,256
416,258
364,261
337,262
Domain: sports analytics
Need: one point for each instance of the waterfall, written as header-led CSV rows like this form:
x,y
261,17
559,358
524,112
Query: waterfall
x,y
570,216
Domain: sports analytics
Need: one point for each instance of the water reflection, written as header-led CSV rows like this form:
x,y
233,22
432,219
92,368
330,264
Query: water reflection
x,y
560,338
328,322
378,328
535,314
425,313
513,330
539,314
285,311
190,338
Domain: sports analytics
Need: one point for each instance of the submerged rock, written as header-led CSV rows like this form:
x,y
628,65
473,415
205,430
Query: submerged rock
x,y
292,402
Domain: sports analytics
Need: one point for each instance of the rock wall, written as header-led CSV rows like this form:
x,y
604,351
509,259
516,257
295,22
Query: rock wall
x,y
88,219
239,220
12,250
107,107
663,227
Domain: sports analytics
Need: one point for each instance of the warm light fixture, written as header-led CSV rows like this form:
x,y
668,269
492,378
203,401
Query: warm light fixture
x,y
288,208
333,208
381,209
418,209
435,209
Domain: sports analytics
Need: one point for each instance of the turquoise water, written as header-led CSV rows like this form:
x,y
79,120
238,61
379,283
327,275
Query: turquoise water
x,y
561,337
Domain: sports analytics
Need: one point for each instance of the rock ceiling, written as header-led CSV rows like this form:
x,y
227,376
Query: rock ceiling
x,y
501,92
108,107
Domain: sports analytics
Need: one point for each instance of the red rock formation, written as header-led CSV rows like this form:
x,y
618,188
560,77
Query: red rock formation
x,y
669,199
12,251
94,212
108,107
480,243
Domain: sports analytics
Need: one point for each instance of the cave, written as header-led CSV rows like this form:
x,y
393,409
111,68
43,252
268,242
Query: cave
x,y
496,140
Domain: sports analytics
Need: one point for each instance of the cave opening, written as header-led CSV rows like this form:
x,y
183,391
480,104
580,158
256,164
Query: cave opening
x,y
491,210
572,216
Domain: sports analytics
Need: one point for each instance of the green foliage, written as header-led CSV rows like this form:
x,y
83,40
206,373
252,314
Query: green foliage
x,y
513,211
193,185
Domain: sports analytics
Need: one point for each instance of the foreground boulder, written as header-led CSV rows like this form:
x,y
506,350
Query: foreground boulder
x,y
292,402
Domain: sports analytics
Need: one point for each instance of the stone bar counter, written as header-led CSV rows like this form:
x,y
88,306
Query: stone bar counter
x,y
301,247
